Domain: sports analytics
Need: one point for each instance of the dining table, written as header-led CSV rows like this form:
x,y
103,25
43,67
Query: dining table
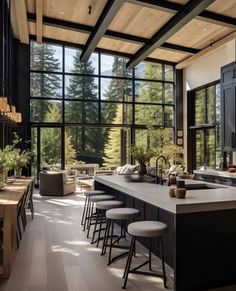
x,y
10,196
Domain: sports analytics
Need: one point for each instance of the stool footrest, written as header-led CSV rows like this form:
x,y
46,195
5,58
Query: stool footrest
x,y
140,266
146,273
120,247
118,257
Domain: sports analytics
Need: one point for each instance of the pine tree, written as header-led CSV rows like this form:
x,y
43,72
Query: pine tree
x,y
51,140
150,92
118,90
112,147
69,150
84,88
43,85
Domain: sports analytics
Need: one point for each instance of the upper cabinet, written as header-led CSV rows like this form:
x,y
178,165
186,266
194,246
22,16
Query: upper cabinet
x,y
228,74
228,95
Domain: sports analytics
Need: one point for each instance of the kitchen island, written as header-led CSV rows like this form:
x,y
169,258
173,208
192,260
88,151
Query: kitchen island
x,y
200,244
216,176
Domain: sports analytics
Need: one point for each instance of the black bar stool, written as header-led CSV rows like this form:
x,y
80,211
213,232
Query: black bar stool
x,y
101,208
88,194
91,215
123,215
147,229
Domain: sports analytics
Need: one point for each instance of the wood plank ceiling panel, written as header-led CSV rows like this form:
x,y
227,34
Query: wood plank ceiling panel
x,y
206,51
39,20
117,45
199,34
227,7
109,12
14,23
60,34
137,20
169,55
75,10
19,10
31,6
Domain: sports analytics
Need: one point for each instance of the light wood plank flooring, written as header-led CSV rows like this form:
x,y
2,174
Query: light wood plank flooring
x,y
55,255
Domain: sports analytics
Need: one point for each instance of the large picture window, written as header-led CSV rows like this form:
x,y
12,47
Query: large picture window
x,y
204,126
97,105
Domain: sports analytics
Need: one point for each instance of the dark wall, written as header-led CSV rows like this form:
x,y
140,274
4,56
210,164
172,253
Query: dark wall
x,y
7,69
23,80
178,104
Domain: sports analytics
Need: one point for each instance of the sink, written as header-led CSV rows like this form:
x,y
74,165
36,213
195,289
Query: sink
x,y
203,186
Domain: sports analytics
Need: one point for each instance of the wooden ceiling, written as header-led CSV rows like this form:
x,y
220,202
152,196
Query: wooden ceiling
x,y
140,29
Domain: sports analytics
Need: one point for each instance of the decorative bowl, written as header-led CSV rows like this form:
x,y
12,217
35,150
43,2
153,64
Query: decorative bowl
x,y
172,192
180,193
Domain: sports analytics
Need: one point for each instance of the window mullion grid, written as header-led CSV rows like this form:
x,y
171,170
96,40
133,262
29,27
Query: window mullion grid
x,y
133,125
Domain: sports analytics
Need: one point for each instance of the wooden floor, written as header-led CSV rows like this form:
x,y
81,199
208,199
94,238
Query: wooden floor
x,y
55,255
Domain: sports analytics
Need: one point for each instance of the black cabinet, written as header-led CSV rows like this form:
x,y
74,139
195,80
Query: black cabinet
x,y
228,74
228,97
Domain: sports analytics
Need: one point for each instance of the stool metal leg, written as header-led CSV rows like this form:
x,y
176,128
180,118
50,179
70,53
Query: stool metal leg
x,y
111,241
128,262
163,261
100,227
106,236
95,226
90,219
84,210
150,254
86,213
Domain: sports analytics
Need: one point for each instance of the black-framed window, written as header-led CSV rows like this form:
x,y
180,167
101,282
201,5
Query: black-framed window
x,y
204,122
101,93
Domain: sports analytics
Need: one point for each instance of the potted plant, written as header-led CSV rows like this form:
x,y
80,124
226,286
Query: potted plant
x,y
142,155
12,157
21,160
7,161
21,157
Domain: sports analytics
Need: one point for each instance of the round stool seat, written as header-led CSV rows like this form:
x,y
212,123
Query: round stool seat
x,y
147,228
94,192
105,205
97,198
122,213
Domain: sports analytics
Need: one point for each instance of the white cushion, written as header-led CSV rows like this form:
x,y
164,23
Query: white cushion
x,y
125,170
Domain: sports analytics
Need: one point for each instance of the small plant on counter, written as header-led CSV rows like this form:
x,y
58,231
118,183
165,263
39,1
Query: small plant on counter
x,y
141,154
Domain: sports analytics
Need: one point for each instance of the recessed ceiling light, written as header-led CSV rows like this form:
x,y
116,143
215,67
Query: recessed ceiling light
x,y
62,13
204,29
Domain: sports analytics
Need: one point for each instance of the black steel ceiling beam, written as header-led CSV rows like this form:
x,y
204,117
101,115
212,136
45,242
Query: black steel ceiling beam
x,y
109,12
218,18
190,10
101,50
175,7
179,48
31,17
113,34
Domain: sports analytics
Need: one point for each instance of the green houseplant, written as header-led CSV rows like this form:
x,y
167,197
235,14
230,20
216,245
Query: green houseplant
x,y
21,160
21,157
7,162
11,158
142,156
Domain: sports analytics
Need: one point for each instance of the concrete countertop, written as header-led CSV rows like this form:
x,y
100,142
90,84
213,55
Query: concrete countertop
x,y
218,173
157,195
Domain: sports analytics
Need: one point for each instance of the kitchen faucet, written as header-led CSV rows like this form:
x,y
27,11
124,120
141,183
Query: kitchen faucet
x,y
157,169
